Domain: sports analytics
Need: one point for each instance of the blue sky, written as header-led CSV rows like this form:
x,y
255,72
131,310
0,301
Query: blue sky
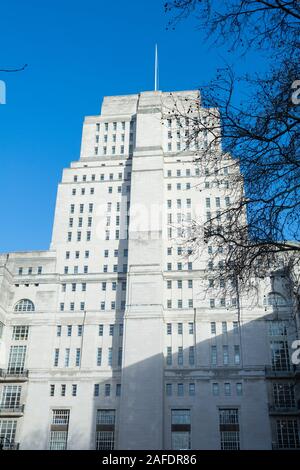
x,y
77,52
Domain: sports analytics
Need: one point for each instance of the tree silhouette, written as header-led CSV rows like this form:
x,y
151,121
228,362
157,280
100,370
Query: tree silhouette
x,y
259,227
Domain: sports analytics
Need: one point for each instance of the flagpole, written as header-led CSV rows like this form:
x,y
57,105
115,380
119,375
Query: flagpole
x,y
155,72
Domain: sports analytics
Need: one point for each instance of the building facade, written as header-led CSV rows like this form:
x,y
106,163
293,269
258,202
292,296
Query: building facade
x,y
115,338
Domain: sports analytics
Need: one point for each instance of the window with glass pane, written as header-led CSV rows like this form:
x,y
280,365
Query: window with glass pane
x,y
58,440
180,356
169,356
60,417
24,305
181,429
20,333
277,328
105,440
11,396
7,432
16,359
275,299
288,436
284,395
105,429
229,429
225,355
280,355
214,355
59,429
106,416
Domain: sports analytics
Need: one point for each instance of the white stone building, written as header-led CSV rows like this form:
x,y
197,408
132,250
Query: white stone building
x,y
112,338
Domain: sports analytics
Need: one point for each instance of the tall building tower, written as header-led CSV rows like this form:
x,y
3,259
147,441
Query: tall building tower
x,y
117,338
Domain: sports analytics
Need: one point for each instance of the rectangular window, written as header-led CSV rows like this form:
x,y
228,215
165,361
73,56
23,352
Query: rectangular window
x,y
239,389
169,356
120,352
237,357
214,355
110,352
225,355
181,429
288,435
192,390
59,437
99,356
96,390
10,398
56,357
105,429
215,389
280,355
78,357
180,356
191,356
229,429
20,333
277,328
284,395
67,357
8,433
16,359
180,390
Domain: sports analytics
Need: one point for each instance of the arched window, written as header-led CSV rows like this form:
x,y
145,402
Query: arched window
x,y
24,305
275,300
